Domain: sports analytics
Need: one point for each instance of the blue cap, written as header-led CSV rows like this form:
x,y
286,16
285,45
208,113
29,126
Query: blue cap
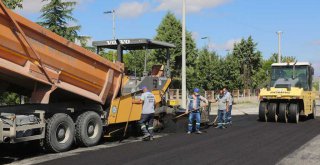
x,y
144,87
196,90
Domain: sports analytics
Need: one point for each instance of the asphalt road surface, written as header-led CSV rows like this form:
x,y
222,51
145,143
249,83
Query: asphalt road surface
x,y
247,141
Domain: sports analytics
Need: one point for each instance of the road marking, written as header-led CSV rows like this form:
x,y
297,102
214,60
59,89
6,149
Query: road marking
x,y
49,157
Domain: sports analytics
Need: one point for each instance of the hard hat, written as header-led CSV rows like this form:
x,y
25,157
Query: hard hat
x,y
196,90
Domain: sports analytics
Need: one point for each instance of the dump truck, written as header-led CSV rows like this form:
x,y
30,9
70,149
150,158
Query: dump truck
x,y
74,95
290,96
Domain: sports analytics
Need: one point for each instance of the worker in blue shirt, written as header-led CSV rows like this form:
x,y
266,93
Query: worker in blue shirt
x,y
194,110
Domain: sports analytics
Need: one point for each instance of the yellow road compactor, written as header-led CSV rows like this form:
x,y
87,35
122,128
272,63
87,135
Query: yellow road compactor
x,y
289,97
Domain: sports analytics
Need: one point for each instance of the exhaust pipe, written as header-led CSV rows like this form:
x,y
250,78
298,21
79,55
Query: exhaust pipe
x,y
6,139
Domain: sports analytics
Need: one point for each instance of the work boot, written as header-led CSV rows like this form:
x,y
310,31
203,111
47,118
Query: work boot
x,y
189,132
151,138
220,126
146,137
198,132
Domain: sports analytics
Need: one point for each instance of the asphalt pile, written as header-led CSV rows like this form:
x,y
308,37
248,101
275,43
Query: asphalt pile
x,y
172,125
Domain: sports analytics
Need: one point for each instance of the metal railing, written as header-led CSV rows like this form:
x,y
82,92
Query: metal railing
x,y
239,96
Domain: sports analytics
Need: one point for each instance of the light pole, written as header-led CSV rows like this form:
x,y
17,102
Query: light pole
x,y
279,46
184,81
145,73
208,45
209,42
319,85
113,12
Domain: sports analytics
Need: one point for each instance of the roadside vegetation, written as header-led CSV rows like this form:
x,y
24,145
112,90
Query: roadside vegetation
x,y
242,68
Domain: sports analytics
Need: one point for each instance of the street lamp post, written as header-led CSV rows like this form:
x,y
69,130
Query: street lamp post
x,y
184,81
113,12
208,45
209,42
319,84
279,45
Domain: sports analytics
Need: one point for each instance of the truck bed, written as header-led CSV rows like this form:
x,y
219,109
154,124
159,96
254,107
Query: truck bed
x,y
58,63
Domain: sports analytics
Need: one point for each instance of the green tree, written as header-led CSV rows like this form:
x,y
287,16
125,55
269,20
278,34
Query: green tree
x,y
288,59
13,4
57,17
250,60
208,70
106,54
315,85
9,98
84,41
134,61
170,30
274,58
230,71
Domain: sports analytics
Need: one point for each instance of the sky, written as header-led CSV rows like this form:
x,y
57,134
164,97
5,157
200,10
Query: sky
x,y
223,22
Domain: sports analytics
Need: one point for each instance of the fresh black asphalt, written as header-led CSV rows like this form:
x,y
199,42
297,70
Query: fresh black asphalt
x,y
247,142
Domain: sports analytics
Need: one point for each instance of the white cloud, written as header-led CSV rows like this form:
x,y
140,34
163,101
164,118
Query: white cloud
x,y
225,46
132,9
31,6
34,6
195,35
192,5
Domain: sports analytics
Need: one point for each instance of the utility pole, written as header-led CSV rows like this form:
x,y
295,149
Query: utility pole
x,y
184,81
113,12
208,45
279,46
319,85
145,73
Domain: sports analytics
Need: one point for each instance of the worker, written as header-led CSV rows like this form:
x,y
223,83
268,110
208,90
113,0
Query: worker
x,y
228,114
147,115
223,107
194,110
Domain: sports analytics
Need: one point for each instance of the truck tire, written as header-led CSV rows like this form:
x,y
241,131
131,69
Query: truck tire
x,y
294,113
272,112
314,111
283,112
59,133
88,129
263,111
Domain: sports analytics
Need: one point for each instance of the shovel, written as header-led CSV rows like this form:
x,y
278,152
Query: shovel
x,y
177,117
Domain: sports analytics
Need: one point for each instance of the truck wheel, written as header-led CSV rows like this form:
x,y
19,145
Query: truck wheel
x,y
88,129
59,133
283,112
294,113
272,112
314,111
263,111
